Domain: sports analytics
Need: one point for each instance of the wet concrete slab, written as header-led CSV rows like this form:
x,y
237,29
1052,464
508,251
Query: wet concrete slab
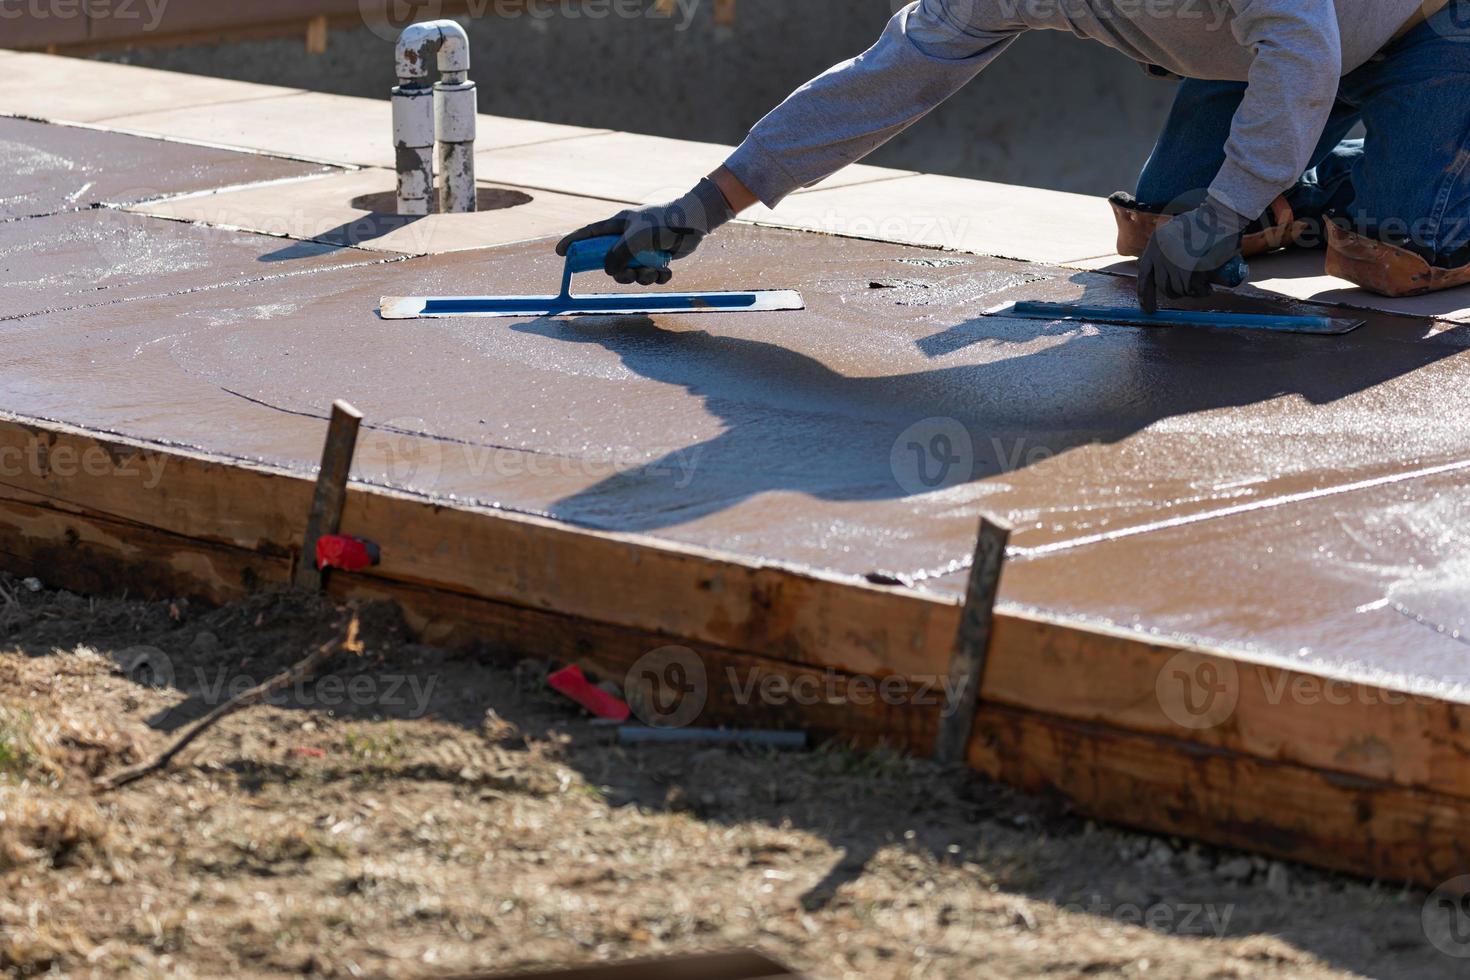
x,y
359,209
100,256
50,168
1372,583
864,435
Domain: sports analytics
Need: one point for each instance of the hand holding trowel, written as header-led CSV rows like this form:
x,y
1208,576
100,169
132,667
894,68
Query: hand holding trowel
x,y
633,246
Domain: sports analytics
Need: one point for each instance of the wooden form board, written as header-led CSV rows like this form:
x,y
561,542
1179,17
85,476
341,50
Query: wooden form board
x,y
1357,778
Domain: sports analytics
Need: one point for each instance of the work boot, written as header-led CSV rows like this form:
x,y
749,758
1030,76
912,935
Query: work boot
x,y
1137,224
1389,270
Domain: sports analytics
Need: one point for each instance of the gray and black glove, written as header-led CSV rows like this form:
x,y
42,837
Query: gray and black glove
x,y
1185,255
677,228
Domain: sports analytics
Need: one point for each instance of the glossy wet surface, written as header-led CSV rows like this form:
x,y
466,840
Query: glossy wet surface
x,y
99,256
1293,497
51,168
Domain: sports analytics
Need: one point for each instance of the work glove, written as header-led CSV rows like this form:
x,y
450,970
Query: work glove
x,y
1186,254
677,228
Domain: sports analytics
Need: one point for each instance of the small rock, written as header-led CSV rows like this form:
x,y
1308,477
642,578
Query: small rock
x,y
1278,879
1236,869
205,642
1194,861
1159,854
32,584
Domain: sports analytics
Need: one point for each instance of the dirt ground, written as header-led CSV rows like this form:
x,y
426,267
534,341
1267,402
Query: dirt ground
x,y
422,813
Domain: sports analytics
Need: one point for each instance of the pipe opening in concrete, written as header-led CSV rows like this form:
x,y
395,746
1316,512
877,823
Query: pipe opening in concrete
x,y
486,199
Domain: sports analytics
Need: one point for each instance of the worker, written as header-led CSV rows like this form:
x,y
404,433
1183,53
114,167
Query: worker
x,y
1253,156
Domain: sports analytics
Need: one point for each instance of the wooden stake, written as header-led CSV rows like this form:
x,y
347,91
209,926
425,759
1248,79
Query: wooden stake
x,y
967,665
316,35
331,491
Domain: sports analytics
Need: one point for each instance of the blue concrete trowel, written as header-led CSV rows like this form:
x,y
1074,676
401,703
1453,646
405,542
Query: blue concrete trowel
x,y
588,256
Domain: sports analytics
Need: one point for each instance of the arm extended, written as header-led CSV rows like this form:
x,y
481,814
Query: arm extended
x,y
925,55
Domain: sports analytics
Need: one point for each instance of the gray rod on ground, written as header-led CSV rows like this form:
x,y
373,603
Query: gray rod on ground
x,y
331,490
977,621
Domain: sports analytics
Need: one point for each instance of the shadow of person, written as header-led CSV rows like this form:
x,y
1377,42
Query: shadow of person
x,y
1026,391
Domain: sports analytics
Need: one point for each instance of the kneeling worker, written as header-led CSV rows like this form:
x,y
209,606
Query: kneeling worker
x,y
1253,155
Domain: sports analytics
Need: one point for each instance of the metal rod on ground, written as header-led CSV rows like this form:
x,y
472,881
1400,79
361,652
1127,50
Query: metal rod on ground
x,y
967,665
331,491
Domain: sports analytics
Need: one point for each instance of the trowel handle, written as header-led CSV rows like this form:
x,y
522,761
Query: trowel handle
x,y
589,255
1233,273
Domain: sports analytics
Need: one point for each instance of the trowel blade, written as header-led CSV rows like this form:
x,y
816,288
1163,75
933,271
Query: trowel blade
x,y
1280,323
435,307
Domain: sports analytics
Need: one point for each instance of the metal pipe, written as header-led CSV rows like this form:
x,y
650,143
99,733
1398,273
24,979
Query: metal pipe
x,y
444,115
413,146
455,108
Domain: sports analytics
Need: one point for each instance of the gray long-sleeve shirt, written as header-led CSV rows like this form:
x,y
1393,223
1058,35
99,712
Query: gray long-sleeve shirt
x,y
1292,52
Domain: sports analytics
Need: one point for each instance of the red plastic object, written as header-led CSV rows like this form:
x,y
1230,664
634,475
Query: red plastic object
x,y
347,553
575,685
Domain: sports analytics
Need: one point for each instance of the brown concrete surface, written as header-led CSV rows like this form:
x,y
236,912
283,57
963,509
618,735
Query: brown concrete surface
x,y
52,168
1268,494
792,437
1371,582
94,257
359,208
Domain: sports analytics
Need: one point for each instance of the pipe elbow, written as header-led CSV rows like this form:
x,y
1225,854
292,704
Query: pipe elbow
x,y
454,47
412,53
418,43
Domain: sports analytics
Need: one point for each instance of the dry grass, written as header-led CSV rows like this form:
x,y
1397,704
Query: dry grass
x,y
496,828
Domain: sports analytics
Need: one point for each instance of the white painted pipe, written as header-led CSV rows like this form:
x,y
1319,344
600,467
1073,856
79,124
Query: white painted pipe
x,y
413,147
448,118
455,107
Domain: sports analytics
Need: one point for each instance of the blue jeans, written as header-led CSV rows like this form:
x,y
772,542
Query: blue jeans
x,y
1407,182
